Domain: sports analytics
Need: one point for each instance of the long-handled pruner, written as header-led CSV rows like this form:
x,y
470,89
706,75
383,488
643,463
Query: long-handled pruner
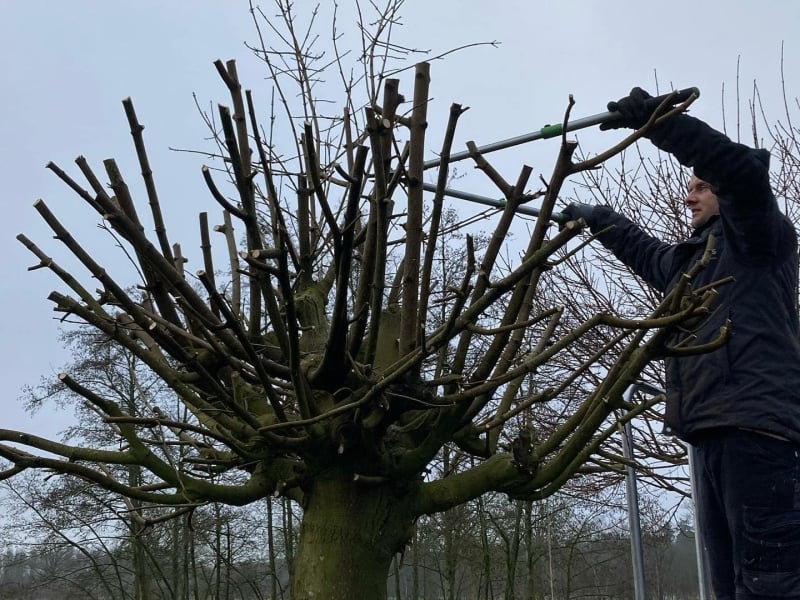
x,y
495,203
548,131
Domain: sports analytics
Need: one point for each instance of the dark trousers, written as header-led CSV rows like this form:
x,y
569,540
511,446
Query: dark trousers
x,y
749,509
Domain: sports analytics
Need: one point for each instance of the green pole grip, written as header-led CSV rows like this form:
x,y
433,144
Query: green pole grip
x,y
549,131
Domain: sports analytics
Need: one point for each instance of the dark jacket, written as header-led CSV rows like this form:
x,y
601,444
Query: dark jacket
x,y
754,380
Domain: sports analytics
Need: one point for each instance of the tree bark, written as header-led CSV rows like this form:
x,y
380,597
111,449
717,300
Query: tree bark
x,y
349,535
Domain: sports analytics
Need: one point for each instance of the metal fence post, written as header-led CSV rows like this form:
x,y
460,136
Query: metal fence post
x,y
702,559
632,495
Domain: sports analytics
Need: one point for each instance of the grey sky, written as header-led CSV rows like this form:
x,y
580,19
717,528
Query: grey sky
x,y
67,66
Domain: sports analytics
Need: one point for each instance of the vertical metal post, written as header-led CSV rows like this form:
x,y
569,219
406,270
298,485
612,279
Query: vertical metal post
x,y
702,559
632,495
637,551
634,523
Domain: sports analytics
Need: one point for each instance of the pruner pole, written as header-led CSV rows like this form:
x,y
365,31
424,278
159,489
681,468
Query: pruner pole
x,y
549,131
495,203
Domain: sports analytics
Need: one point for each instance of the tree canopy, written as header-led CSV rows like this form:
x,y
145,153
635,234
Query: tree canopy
x,y
345,329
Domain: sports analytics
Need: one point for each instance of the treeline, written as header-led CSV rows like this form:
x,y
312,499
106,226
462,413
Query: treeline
x,y
85,546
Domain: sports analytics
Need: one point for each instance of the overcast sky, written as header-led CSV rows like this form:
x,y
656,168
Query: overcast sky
x,y
68,65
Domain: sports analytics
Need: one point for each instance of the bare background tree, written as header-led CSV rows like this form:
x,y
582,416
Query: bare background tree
x,y
348,355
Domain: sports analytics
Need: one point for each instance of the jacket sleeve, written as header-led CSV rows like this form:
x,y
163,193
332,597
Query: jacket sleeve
x,y
647,256
739,175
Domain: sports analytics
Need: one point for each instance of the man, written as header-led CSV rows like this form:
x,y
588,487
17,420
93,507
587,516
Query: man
x,y
738,405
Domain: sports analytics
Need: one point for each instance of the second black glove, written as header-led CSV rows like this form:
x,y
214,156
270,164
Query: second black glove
x,y
575,211
634,110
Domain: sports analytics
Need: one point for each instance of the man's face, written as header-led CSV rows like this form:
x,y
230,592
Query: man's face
x,y
701,201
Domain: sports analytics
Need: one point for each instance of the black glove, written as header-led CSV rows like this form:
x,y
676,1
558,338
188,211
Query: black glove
x,y
634,111
576,211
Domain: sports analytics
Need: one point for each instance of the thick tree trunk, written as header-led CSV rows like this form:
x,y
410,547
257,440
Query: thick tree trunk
x,y
349,535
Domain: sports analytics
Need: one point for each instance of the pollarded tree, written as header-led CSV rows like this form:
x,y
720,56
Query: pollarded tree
x,y
332,365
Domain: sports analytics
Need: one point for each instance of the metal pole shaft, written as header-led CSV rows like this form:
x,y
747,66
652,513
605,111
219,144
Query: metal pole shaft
x,y
637,553
702,566
632,495
549,131
525,210
544,133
